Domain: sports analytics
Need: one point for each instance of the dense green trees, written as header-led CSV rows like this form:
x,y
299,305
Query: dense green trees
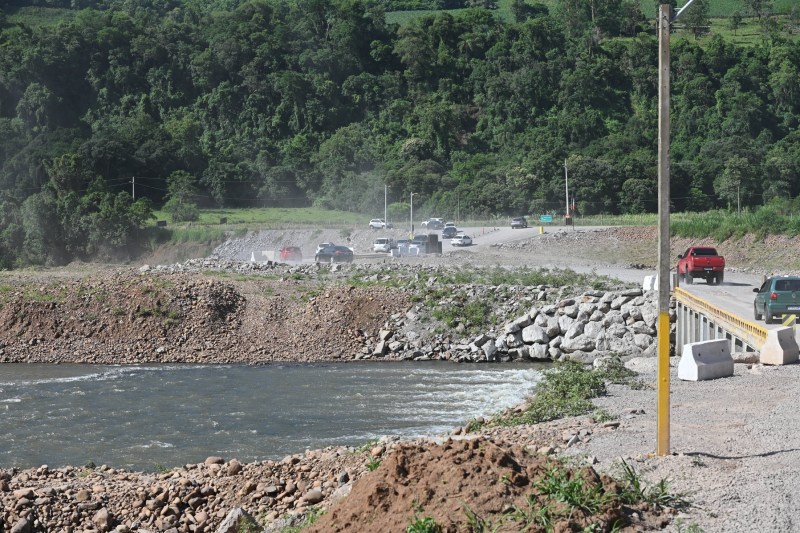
x,y
273,102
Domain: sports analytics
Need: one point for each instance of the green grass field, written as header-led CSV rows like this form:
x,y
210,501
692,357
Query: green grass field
x,y
272,217
718,9
35,17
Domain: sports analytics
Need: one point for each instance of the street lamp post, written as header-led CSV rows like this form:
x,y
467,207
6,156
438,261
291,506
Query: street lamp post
x,y
385,193
412,215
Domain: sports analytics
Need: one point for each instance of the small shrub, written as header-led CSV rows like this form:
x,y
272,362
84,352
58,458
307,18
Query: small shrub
x,y
658,495
569,487
475,425
601,415
423,525
613,370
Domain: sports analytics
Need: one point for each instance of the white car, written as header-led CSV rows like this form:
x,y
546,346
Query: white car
x,y
382,244
461,240
379,223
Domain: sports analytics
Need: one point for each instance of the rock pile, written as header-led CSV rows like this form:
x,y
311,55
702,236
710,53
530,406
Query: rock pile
x,y
195,498
582,328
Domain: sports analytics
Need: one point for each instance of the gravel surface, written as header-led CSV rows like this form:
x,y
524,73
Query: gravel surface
x,y
731,445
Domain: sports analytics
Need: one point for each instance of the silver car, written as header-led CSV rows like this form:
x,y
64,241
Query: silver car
x,y
461,240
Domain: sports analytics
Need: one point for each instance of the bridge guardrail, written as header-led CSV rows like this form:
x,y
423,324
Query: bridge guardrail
x,y
753,334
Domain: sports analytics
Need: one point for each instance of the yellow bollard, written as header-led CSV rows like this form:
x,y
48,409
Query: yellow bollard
x,y
541,230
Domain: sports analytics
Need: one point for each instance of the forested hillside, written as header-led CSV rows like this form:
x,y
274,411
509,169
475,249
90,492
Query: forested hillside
x,y
320,102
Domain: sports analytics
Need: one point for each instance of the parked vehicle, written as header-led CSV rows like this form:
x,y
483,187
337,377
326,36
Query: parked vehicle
x,y
379,223
433,223
701,262
383,244
778,295
519,223
461,240
291,253
449,232
334,254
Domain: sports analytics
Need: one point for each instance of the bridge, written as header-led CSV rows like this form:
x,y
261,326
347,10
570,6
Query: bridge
x,y
699,320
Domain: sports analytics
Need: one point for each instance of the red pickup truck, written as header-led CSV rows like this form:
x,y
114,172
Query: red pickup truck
x,y
701,262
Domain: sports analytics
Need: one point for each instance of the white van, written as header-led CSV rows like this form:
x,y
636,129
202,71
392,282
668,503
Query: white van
x,y
382,244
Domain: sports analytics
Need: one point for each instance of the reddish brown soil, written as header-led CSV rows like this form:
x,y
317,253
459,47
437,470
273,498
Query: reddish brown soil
x,y
123,317
477,485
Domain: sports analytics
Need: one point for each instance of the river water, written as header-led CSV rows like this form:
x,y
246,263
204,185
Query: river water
x,y
149,417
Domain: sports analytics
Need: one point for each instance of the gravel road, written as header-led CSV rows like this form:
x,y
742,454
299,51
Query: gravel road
x,y
732,449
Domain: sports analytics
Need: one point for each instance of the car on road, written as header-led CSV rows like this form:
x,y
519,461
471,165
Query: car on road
x,y
291,253
461,240
334,254
433,223
519,223
449,232
379,223
777,296
701,262
383,244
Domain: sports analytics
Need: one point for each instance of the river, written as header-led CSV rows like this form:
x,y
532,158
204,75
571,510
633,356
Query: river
x,y
153,417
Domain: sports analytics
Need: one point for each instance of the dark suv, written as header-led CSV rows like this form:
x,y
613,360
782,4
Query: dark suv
x,y
449,232
334,254
519,223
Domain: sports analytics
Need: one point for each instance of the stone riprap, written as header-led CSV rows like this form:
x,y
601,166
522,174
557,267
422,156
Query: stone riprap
x,y
582,328
555,326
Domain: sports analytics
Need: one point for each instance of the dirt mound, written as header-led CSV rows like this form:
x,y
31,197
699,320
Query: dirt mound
x,y
477,485
125,317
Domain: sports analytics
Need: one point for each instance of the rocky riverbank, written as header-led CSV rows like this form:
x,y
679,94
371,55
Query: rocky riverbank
x,y
198,497
214,311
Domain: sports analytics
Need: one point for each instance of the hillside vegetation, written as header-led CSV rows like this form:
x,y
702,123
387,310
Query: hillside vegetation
x,y
111,109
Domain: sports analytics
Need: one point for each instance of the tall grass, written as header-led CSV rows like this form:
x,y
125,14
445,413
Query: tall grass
x,y
771,219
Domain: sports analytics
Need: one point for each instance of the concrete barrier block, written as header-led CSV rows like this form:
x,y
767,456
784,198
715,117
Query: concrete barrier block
x,y
705,360
650,283
780,348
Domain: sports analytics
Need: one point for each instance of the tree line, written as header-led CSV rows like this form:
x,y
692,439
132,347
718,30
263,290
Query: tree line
x,y
129,104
